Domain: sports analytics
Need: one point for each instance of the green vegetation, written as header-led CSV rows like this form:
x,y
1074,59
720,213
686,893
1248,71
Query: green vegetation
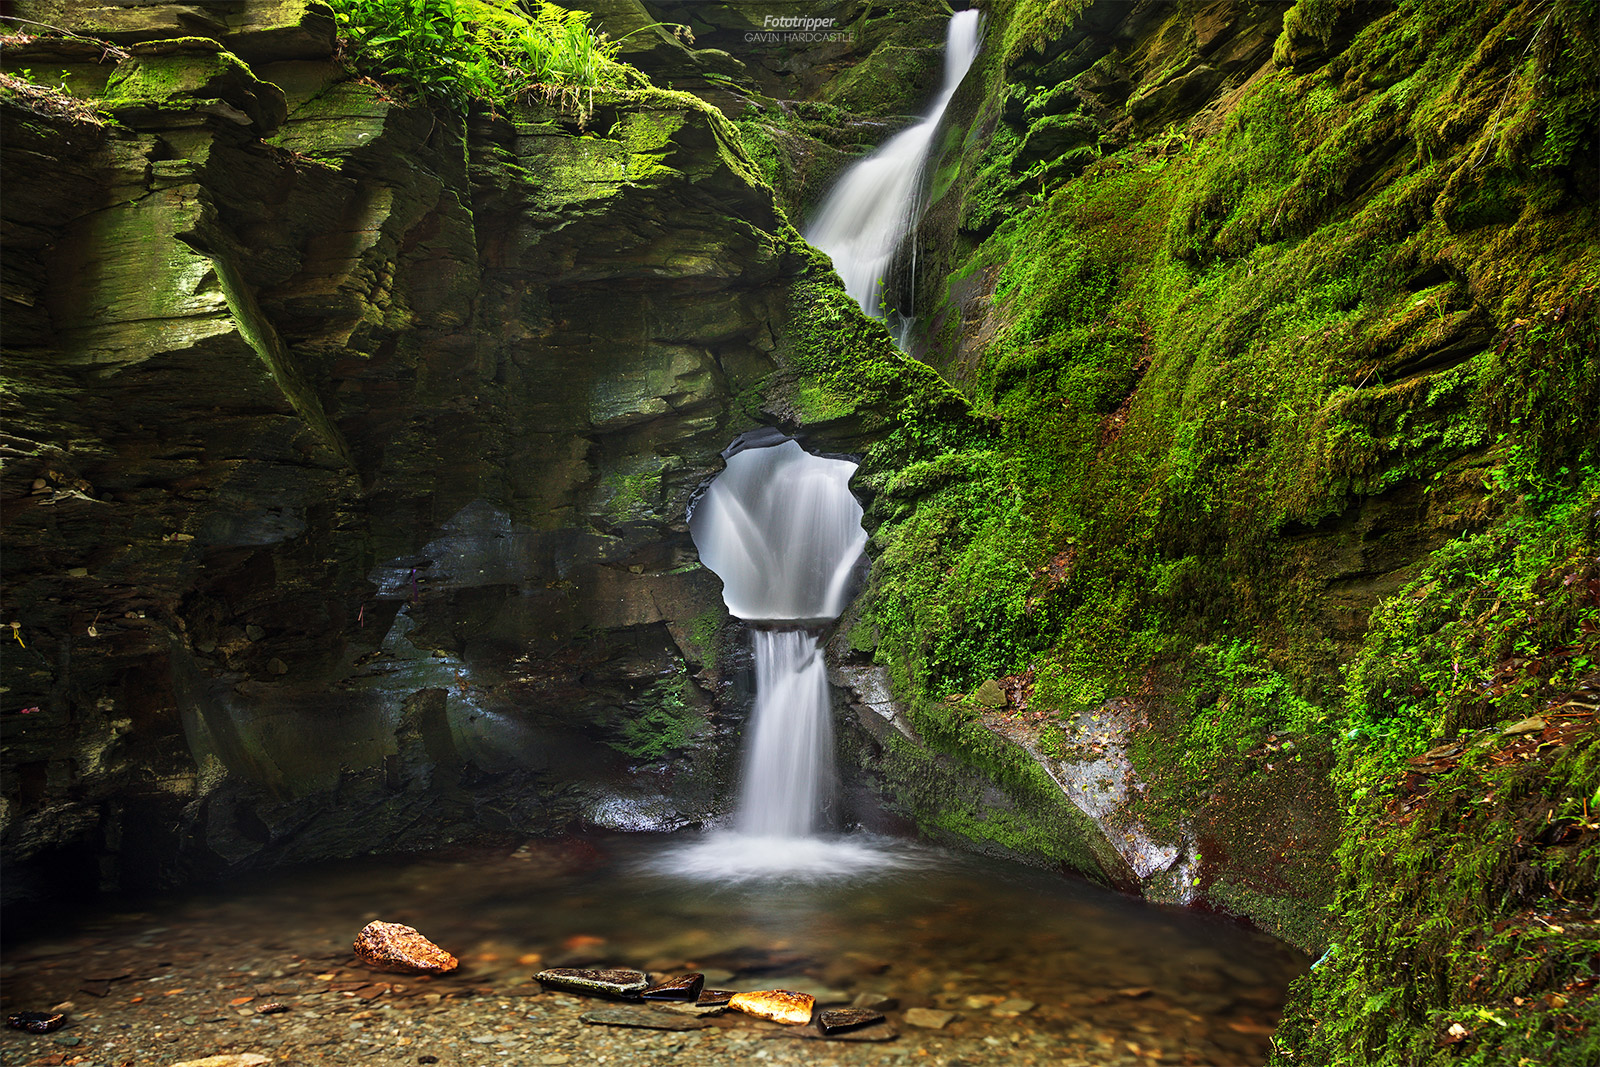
x,y
1198,352
1287,422
458,51
665,721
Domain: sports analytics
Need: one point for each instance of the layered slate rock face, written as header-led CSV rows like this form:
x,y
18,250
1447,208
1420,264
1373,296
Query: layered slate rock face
x,y
348,451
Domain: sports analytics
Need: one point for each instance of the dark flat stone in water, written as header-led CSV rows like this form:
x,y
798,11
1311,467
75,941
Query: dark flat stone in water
x,y
841,1020
615,982
642,1019
36,1022
685,988
711,998
882,1030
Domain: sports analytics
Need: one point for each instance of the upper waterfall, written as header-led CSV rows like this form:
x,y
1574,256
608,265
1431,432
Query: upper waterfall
x,y
782,531
868,214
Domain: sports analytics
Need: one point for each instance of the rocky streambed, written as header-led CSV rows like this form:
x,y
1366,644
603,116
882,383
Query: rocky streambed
x,y
969,965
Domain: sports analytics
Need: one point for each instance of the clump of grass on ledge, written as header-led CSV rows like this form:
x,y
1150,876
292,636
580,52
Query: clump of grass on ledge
x,y
454,52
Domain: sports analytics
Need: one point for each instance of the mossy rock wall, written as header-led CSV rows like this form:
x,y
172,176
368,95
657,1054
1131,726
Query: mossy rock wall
x,y
1277,325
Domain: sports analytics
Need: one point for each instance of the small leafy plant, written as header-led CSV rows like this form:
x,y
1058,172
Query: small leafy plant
x,y
456,51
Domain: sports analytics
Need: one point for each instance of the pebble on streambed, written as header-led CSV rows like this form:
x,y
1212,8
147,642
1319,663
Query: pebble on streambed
x,y
613,982
392,947
37,1022
776,1005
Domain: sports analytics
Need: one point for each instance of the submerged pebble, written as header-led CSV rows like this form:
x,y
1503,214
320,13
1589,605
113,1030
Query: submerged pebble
x,y
929,1018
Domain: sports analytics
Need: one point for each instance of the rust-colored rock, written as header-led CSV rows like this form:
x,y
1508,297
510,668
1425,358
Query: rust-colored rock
x,y
392,947
779,1005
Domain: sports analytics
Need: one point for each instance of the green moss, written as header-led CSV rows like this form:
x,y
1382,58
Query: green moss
x,y
662,721
948,790
838,366
1465,904
1031,24
703,632
632,495
1219,375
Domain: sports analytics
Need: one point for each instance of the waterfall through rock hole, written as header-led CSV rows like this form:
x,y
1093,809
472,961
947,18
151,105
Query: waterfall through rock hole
x,y
782,530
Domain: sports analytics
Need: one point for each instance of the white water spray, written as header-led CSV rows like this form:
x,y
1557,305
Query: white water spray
x,y
789,766
869,213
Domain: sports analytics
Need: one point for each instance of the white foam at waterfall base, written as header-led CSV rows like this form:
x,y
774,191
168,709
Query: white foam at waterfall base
x,y
867,216
729,857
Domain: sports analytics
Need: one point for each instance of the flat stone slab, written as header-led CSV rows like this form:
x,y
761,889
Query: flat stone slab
x,y
929,1018
642,1019
842,1020
883,1031
613,982
686,988
699,1011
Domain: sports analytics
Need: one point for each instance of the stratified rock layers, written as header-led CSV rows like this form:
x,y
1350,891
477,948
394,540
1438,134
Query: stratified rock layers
x,y
348,452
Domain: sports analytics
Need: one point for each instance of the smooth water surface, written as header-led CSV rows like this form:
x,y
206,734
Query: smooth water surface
x,y
1037,968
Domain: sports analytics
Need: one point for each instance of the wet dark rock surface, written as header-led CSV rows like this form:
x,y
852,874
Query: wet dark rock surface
x,y
36,1022
1111,981
348,511
612,982
686,987
839,1020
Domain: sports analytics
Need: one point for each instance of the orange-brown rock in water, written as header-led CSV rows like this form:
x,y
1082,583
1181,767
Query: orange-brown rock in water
x,y
393,947
779,1005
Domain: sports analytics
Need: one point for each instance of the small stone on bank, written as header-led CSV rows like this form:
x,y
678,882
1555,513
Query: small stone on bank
x,y
714,998
392,947
232,1059
928,1018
